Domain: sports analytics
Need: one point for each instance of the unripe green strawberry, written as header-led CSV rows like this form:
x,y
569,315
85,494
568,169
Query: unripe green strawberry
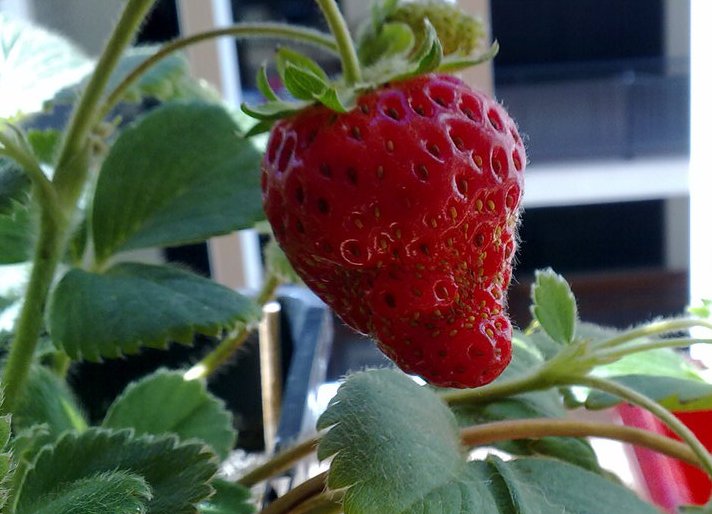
x,y
401,215
458,32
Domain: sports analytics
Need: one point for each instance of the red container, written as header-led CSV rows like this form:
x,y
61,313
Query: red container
x,y
669,482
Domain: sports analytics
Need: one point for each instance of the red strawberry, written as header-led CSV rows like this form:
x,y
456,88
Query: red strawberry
x,y
401,215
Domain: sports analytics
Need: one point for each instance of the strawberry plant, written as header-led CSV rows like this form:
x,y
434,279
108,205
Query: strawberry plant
x,y
393,191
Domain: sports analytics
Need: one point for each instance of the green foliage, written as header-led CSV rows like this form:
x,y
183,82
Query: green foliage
x,y
181,174
675,394
14,186
47,400
175,475
139,305
6,458
534,404
554,306
164,402
396,449
35,65
17,235
44,144
533,485
229,498
118,492
168,80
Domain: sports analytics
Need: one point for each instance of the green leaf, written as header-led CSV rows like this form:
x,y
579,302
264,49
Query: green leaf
x,y
395,444
47,400
396,449
181,174
135,305
116,492
169,79
14,186
286,56
178,474
35,65
675,394
263,84
44,144
554,306
663,362
229,498
534,486
164,402
17,235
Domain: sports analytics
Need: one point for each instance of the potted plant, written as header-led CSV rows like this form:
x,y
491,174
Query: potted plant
x,y
394,129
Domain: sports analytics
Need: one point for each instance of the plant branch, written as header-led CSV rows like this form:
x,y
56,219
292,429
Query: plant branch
x,y
653,329
488,433
303,492
622,351
69,176
69,179
337,24
279,463
29,323
241,30
497,390
640,400
227,348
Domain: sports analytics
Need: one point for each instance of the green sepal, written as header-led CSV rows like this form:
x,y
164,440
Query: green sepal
x,y
258,128
263,84
301,82
392,39
273,110
288,56
428,56
453,63
380,11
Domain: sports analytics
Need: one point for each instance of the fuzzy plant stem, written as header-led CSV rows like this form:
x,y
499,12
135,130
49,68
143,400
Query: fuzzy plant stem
x,y
227,348
239,30
280,462
347,51
488,433
655,328
69,180
533,381
664,415
70,176
29,322
302,493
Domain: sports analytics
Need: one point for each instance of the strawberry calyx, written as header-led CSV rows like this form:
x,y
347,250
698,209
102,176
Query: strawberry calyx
x,y
400,41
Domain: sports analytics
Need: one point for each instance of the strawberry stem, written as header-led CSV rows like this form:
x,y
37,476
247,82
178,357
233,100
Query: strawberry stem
x,y
640,400
227,348
347,51
239,30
